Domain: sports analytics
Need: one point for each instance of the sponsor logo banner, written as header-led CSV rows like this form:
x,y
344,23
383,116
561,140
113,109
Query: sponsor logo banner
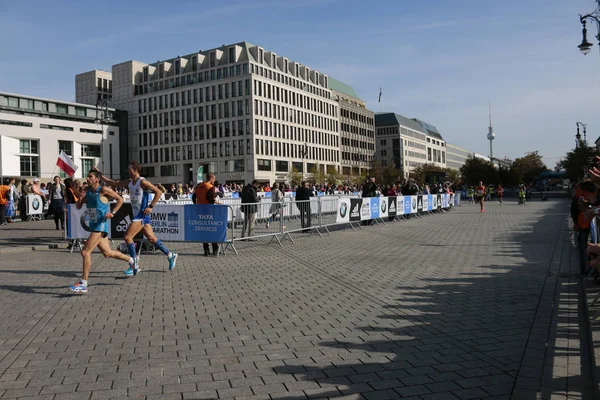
x,y
374,207
392,206
426,202
439,201
383,207
35,206
343,210
419,203
365,209
407,200
413,204
206,223
120,222
168,222
446,200
77,222
355,207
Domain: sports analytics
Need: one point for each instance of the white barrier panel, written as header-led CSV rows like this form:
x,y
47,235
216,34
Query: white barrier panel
x,y
35,205
362,209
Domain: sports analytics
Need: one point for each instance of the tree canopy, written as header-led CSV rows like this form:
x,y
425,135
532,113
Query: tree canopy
x,y
529,167
576,160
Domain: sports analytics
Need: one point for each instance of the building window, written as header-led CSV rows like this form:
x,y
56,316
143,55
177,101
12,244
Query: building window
x,y
90,150
263,165
86,165
168,170
281,166
65,146
62,109
28,146
238,165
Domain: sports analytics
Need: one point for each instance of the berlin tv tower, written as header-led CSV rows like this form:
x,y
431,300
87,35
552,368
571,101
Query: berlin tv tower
x,y
491,135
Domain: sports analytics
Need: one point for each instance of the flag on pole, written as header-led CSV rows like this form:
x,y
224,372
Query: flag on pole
x,y
380,95
65,163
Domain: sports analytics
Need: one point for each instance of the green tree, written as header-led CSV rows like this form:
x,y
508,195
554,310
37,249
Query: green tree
x,y
576,160
529,167
476,169
508,177
295,176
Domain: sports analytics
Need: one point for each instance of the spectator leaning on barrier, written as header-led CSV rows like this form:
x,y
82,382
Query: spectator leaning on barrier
x,y
249,208
205,193
303,195
369,189
4,193
25,190
57,195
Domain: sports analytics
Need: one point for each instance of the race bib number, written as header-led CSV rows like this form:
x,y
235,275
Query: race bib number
x,y
92,214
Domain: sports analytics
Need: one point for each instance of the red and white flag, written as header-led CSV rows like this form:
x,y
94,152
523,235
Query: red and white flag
x,y
65,163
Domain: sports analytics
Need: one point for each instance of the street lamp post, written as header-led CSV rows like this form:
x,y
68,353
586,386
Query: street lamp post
x,y
578,135
102,119
304,155
585,47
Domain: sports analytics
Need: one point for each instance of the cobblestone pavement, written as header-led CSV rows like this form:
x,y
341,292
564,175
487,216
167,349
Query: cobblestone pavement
x,y
459,305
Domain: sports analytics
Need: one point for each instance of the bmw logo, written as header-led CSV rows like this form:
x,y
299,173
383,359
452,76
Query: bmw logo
x,y
414,203
383,205
85,223
35,204
343,209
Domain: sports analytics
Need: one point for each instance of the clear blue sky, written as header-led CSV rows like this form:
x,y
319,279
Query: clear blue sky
x,y
436,60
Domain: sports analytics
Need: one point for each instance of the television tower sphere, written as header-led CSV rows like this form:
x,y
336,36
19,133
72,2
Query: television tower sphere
x,y
491,135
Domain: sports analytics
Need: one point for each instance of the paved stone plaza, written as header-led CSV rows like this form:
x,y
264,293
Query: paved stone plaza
x,y
457,305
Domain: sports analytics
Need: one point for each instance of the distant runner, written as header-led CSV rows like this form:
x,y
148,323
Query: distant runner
x,y
480,194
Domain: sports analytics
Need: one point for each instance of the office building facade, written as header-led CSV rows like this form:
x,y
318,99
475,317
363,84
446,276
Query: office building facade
x,y
239,111
357,130
93,87
33,132
407,143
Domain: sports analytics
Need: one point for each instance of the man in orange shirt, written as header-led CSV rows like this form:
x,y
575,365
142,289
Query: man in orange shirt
x,y
206,193
480,194
4,192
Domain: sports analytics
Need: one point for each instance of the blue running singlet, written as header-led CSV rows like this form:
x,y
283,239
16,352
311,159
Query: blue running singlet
x,y
96,210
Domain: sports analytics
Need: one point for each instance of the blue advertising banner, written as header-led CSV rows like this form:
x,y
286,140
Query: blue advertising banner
x,y
408,205
429,202
375,207
206,223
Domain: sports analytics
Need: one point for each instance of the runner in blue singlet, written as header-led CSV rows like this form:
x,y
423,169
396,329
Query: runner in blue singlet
x,y
98,213
139,190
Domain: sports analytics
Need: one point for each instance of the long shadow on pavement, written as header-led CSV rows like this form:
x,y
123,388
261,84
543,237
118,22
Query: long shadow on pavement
x,y
462,338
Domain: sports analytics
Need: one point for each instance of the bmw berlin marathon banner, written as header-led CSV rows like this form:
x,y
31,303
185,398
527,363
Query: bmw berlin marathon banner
x,y
353,209
174,223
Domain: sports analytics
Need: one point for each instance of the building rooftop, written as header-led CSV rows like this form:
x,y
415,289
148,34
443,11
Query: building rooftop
x,y
342,87
431,130
390,119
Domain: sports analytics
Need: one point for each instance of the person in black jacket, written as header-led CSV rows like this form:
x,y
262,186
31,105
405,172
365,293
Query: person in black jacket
x,y
303,195
249,208
57,195
369,189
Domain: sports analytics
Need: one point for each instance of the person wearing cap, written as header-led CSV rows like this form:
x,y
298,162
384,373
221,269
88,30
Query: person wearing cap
x,y
35,189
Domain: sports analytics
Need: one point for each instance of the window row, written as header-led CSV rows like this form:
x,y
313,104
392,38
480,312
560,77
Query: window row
x,y
196,114
266,109
288,80
359,144
196,151
291,150
192,79
347,156
195,96
344,127
37,105
194,133
282,131
354,116
272,92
